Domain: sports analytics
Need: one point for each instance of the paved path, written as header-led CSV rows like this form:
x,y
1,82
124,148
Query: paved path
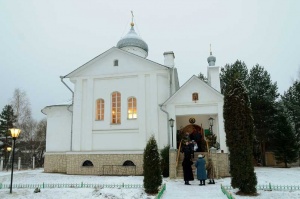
x,y
177,190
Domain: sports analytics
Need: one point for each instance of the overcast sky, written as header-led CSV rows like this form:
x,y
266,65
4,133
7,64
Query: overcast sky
x,y
42,40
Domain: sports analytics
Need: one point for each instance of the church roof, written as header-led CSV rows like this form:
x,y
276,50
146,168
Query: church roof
x,y
211,59
65,104
132,39
193,78
82,67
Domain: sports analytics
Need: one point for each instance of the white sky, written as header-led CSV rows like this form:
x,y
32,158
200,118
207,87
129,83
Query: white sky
x,y
42,40
175,189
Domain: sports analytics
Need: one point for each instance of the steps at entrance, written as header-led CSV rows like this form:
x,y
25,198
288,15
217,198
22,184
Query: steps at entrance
x,y
179,167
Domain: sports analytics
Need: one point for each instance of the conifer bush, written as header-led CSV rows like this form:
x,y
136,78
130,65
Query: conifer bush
x,y
284,140
152,167
164,153
239,130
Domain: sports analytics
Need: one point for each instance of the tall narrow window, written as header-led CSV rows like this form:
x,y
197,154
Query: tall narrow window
x,y
116,108
132,112
116,62
100,109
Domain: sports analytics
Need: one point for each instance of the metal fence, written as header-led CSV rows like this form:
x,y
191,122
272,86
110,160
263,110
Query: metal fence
x,y
71,185
270,187
226,192
161,192
80,185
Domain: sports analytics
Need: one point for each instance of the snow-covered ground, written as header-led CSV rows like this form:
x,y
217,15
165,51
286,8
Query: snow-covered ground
x,y
175,188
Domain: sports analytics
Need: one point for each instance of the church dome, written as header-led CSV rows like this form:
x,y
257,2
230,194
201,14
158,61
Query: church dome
x,y
211,60
132,40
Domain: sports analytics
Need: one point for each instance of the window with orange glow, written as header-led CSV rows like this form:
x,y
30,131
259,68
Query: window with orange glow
x,y
100,109
116,108
132,111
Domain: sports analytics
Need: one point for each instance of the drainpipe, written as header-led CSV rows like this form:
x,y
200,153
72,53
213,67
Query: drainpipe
x,y
62,80
168,127
160,105
171,78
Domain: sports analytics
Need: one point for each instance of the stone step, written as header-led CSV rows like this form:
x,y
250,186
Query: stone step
x,y
180,159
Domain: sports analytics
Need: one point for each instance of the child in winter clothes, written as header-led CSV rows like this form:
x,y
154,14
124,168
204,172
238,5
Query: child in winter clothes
x,y
210,171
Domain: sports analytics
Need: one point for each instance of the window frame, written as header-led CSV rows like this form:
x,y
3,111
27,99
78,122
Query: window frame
x,y
99,115
132,108
116,62
116,108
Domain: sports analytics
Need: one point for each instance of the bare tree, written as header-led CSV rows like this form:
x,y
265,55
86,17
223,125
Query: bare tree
x,y
33,143
41,130
40,140
32,140
21,106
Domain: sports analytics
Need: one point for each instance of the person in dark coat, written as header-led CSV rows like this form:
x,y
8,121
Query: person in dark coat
x,y
201,170
192,135
186,149
187,170
210,171
191,145
198,138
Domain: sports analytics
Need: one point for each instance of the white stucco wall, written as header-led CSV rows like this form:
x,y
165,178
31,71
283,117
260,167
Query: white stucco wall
x,y
137,77
213,76
58,134
209,104
134,77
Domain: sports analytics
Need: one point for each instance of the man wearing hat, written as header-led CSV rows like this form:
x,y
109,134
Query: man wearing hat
x,y
201,170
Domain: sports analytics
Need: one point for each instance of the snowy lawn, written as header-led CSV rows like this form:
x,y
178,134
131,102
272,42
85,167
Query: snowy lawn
x,y
175,188
275,176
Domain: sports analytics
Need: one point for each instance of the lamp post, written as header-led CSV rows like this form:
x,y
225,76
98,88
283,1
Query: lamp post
x,y
14,134
8,149
171,121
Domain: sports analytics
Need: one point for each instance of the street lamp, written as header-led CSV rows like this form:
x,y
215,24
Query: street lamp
x,y
171,121
8,149
211,123
14,134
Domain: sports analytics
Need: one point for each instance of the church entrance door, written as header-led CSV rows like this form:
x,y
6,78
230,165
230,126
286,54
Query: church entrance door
x,y
192,132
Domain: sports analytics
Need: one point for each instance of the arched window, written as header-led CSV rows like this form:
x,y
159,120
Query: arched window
x,y
100,109
116,62
128,163
132,111
87,163
116,108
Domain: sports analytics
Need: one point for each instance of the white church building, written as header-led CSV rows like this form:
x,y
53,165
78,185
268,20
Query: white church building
x,y
120,99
